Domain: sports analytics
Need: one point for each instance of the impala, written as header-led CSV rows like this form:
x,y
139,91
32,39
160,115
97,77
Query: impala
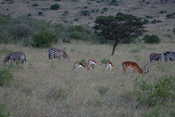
x,y
134,67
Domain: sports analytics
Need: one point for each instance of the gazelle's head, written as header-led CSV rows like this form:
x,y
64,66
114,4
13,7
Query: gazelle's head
x,y
93,61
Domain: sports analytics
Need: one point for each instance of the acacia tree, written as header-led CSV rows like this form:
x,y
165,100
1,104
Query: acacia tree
x,y
120,28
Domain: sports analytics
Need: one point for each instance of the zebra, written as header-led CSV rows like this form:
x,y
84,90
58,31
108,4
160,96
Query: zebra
x,y
169,56
57,53
15,57
156,57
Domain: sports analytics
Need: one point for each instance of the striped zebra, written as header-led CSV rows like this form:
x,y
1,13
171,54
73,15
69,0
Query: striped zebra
x,y
15,57
156,57
169,56
57,53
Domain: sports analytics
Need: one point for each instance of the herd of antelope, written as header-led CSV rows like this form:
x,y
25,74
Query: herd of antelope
x,y
54,53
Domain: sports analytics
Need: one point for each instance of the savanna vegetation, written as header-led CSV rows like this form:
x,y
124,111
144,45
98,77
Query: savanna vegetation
x,y
42,88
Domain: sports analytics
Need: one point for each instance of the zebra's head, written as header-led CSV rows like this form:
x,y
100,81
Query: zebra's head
x,y
6,59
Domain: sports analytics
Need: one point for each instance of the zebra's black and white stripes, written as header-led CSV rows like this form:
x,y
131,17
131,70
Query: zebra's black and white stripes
x,y
15,57
57,53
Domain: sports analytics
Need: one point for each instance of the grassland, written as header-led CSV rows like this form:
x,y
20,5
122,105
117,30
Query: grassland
x,y
43,88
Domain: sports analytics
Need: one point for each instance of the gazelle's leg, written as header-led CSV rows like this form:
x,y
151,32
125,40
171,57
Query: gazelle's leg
x,y
106,67
77,66
124,68
110,67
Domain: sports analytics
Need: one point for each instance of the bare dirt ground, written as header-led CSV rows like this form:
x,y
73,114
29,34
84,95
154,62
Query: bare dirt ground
x,y
42,88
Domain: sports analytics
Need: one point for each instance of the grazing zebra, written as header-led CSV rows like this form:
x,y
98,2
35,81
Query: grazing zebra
x,y
57,53
169,56
15,57
155,57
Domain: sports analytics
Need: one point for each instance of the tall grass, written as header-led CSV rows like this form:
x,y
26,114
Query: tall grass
x,y
157,92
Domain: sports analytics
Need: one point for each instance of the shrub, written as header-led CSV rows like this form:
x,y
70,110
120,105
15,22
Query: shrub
x,y
83,61
151,39
85,13
154,21
4,19
174,30
43,39
79,32
20,31
57,94
55,7
5,77
35,4
171,15
102,90
161,111
163,12
114,2
40,13
3,111
104,61
158,92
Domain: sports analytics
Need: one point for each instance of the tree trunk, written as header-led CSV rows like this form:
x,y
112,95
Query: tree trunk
x,y
114,46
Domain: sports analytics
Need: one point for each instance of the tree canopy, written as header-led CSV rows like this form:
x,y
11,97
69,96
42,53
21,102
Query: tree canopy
x,y
121,28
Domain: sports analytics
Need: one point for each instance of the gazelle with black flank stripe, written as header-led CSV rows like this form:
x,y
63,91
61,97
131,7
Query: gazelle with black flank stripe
x,y
80,65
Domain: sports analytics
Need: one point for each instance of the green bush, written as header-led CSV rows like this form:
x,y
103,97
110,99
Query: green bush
x,y
161,111
3,111
174,30
55,7
35,4
171,15
151,39
85,13
4,19
102,90
43,39
114,2
5,77
104,61
79,32
20,30
155,93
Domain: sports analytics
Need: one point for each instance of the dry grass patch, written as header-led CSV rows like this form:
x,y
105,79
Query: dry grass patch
x,y
51,88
